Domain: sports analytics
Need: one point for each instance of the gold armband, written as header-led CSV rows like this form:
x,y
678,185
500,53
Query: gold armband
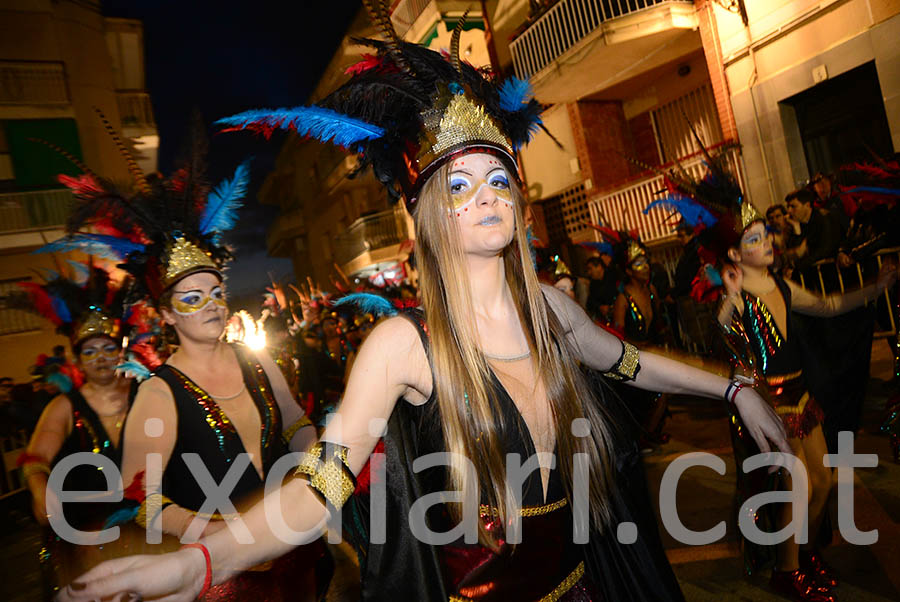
x,y
289,433
628,364
329,475
30,468
141,516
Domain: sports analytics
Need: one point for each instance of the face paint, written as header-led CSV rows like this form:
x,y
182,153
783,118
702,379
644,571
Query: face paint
x,y
187,303
752,241
109,351
465,188
640,265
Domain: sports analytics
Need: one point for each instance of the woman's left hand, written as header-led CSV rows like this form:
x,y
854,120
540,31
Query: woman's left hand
x,y
762,422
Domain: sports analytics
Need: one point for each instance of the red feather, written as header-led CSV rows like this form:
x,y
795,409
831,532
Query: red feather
x,y
368,63
364,478
608,233
42,301
83,185
135,491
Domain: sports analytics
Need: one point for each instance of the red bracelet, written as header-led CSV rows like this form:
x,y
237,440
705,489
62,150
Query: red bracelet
x,y
207,582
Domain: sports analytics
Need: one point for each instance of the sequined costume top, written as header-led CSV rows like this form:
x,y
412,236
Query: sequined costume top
x,y
638,329
88,435
204,429
779,358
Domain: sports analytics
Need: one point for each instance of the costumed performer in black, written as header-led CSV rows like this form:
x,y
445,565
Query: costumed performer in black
x,y
221,401
489,367
88,308
766,350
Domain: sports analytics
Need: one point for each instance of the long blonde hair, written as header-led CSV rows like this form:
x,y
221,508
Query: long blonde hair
x,y
462,376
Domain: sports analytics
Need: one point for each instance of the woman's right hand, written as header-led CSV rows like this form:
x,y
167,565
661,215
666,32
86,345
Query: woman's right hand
x,y
176,577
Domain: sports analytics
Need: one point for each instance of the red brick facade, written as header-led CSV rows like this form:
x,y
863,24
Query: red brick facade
x,y
709,37
602,141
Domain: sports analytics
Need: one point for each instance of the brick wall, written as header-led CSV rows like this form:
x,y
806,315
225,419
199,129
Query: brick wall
x,y
709,36
602,141
645,147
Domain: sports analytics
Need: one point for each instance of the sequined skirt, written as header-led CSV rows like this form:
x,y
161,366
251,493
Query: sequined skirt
x,y
797,408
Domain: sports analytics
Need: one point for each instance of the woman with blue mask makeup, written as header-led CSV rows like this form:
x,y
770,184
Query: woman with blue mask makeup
x,y
87,418
488,371
220,402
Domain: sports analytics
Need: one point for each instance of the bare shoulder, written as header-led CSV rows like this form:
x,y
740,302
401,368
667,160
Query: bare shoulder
x,y
154,397
395,333
59,409
566,310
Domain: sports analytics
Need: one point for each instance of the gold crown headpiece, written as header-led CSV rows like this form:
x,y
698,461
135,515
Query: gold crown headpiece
x,y
183,258
93,323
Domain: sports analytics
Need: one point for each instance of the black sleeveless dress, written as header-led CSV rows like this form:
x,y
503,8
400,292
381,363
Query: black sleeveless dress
x,y
61,561
545,565
205,431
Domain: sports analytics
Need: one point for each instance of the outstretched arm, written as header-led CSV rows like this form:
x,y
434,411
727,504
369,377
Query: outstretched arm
x,y
389,363
805,302
601,350
51,431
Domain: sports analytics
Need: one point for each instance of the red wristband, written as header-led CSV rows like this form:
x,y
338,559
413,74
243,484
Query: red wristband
x,y
207,582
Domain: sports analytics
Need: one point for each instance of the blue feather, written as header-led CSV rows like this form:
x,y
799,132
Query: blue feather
x,y
47,274
604,248
139,370
712,274
101,245
323,124
62,382
515,94
368,303
692,211
121,517
81,272
223,202
61,309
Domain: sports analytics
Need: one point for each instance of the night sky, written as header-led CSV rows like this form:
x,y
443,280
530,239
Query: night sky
x,y
219,58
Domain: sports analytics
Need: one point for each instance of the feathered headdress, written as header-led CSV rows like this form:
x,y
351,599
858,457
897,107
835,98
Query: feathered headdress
x,y
172,230
624,247
713,206
407,110
166,230
865,186
83,305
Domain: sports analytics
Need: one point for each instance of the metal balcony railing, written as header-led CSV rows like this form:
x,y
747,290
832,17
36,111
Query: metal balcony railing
x,y
623,208
564,25
135,109
370,233
32,210
33,82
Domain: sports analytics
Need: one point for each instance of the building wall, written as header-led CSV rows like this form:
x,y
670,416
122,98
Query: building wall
x,y
70,33
548,168
780,55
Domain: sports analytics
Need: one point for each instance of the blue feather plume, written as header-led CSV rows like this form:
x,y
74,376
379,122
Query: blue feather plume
x,y
62,382
692,211
515,94
81,272
223,202
139,370
368,303
604,248
121,517
713,275
101,245
323,124
61,309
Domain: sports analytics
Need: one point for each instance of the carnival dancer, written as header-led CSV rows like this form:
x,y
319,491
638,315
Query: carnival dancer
x,y
765,346
88,309
221,401
489,367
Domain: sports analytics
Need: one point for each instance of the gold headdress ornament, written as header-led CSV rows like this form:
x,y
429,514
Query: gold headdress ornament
x,y
633,250
94,323
184,258
408,110
749,214
561,268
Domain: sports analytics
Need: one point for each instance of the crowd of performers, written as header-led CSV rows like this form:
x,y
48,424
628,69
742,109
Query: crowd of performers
x,y
482,361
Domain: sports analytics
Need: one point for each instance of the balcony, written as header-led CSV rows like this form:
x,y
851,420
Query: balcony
x,y
623,208
575,37
136,111
33,83
34,210
372,239
415,20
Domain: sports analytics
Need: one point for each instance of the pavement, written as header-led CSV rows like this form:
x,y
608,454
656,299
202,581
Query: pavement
x,y
712,572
